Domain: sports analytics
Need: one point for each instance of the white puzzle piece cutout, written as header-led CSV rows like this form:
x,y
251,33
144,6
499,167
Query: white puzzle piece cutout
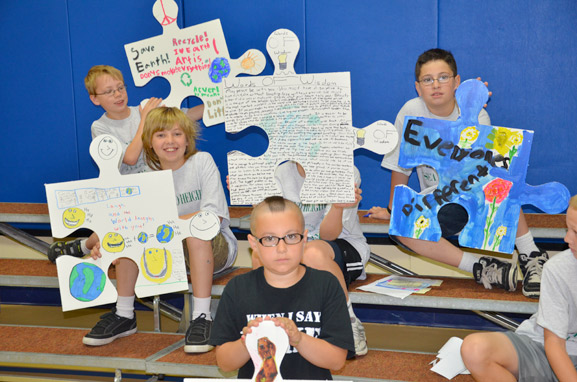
x,y
267,345
307,119
135,217
194,60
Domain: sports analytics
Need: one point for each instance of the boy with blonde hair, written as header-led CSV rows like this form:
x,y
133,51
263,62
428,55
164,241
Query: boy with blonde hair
x,y
544,347
307,303
106,88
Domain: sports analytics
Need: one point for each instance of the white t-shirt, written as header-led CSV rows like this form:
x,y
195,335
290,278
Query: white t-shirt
x,y
198,187
124,130
557,304
291,182
428,177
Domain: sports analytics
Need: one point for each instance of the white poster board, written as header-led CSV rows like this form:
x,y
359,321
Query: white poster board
x,y
194,60
135,217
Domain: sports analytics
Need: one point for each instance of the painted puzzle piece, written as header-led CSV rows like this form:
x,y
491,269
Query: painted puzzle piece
x,y
307,118
482,168
135,217
194,60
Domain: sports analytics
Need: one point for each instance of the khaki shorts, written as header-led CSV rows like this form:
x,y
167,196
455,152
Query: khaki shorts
x,y
219,252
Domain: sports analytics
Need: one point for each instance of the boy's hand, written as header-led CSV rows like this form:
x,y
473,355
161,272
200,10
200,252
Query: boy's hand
x,y
95,251
149,105
295,336
227,183
379,213
248,328
487,85
358,198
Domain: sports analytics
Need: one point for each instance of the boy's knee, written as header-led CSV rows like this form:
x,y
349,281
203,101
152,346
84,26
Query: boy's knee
x,y
317,252
474,348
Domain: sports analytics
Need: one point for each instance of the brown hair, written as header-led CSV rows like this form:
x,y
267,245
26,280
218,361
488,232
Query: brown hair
x,y
97,71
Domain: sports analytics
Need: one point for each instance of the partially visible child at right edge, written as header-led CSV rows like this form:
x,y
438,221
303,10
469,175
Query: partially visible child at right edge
x,y
436,81
544,347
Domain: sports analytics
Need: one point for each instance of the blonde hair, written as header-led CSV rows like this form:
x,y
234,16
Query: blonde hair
x,y
97,71
275,204
165,118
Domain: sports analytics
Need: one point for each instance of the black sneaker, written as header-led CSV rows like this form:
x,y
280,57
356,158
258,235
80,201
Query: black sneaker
x,y
532,268
110,327
490,271
197,335
69,248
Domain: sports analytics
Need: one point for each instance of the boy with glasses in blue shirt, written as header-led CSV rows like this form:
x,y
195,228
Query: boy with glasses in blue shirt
x,y
436,80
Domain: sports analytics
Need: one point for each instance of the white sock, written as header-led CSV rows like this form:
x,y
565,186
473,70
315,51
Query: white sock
x,y
467,262
201,305
125,306
83,247
526,244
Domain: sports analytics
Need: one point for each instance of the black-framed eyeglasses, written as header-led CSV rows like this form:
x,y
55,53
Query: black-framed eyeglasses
x,y
443,79
272,241
111,92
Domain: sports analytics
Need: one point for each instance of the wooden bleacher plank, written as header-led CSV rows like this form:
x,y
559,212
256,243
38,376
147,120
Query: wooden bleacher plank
x,y
454,293
161,353
33,345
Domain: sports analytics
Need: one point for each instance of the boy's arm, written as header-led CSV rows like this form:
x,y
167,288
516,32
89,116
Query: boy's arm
x,y
397,178
315,350
195,113
134,149
332,224
558,357
232,355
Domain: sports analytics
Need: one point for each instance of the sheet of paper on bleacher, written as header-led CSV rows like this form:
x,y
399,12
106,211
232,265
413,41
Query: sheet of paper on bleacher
x,y
399,286
449,363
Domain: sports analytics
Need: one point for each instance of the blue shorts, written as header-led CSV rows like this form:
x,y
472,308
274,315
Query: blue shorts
x,y
452,219
346,254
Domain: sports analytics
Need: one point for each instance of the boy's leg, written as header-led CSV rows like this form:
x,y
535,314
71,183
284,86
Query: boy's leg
x,y
121,321
319,254
76,248
490,357
531,259
201,263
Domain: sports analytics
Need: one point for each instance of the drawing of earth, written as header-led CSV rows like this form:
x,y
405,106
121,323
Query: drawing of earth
x,y
164,233
86,282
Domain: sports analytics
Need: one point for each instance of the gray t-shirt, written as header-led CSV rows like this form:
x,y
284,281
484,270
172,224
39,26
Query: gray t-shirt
x,y
198,187
557,304
428,177
124,130
291,182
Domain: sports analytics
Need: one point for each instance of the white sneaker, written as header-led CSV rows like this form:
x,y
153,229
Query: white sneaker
x,y
359,337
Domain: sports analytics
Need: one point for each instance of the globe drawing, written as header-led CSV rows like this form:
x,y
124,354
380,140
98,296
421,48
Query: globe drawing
x,y
142,237
86,282
164,233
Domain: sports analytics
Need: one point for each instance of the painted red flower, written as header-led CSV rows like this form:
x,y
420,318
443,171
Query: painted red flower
x,y
497,190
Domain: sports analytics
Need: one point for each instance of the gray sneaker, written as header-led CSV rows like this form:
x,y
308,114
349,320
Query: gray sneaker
x,y
532,268
359,337
490,271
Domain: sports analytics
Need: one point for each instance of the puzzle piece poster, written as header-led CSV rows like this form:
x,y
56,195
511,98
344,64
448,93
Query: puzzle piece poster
x,y
135,217
194,60
482,168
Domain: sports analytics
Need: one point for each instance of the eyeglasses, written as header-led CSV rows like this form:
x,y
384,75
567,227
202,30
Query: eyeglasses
x,y
111,92
429,81
272,241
